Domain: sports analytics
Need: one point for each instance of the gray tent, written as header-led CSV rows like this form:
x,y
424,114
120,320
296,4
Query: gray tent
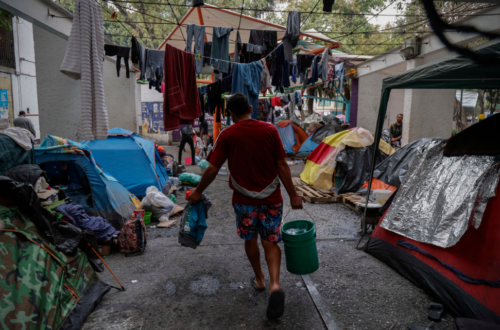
x,y
452,72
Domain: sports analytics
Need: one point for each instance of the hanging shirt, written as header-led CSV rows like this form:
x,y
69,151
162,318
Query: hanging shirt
x,y
252,149
220,48
247,79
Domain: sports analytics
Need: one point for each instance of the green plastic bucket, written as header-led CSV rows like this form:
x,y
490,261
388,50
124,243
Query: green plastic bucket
x,y
147,218
301,254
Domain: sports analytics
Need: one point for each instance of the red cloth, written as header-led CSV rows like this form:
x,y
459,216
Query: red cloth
x,y
181,102
252,148
276,101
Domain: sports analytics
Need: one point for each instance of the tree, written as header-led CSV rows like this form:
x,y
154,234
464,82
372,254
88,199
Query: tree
x,y
492,97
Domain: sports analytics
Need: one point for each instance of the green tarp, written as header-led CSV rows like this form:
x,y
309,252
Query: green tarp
x,y
39,285
452,72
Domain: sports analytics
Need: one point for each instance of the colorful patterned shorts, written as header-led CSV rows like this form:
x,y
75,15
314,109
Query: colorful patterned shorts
x,y
265,219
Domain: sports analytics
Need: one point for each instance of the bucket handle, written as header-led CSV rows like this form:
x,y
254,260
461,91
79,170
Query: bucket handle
x,y
303,208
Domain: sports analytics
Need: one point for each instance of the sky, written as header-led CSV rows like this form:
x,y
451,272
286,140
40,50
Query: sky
x,y
383,20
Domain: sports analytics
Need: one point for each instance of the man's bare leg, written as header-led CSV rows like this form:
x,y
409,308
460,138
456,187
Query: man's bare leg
x,y
253,255
273,258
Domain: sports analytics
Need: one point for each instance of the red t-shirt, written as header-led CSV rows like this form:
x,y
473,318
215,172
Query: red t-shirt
x,y
252,148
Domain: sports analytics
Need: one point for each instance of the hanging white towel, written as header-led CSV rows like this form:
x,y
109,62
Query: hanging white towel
x,y
84,60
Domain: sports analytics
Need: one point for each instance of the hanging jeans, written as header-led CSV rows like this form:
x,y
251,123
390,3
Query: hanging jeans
x,y
199,43
189,140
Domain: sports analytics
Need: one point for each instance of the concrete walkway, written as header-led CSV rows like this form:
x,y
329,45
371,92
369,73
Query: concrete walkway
x,y
209,288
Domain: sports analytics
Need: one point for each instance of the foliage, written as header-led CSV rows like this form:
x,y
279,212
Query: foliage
x,y
5,19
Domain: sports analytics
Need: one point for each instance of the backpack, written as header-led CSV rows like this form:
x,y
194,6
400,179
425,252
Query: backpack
x,y
133,237
178,169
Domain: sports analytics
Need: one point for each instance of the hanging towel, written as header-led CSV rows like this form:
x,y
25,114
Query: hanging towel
x,y
83,60
292,34
181,101
324,66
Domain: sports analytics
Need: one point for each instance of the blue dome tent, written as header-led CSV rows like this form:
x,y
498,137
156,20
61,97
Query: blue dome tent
x,y
307,147
71,164
131,159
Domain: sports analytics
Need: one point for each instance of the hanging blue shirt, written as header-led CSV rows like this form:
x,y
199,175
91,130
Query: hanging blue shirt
x,y
246,80
220,48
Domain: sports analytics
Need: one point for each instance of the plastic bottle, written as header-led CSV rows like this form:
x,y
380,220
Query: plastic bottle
x,y
173,198
188,194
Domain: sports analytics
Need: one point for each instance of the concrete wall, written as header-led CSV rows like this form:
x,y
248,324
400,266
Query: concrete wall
x,y
59,95
370,87
120,93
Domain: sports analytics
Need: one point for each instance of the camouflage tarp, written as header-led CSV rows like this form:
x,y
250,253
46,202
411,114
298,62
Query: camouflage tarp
x,y
39,286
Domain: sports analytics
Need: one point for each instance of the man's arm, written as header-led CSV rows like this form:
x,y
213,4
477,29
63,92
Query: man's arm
x,y
286,178
32,128
208,177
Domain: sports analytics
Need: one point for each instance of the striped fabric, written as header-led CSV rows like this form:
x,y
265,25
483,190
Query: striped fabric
x,y
84,60
321,163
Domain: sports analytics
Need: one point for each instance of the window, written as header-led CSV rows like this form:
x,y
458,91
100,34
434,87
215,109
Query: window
x,y
7,58
324,103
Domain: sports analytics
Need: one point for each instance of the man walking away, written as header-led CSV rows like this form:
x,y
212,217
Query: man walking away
x,y
396,132
256,160
24,122
187,137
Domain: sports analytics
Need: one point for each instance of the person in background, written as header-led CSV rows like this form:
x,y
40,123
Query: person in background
x,y
24,122
204,132
187,134
200,146
396,132
257,164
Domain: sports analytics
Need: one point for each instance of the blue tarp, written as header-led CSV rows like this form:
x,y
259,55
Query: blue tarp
x,y
100,194
308,146
131,159
288,138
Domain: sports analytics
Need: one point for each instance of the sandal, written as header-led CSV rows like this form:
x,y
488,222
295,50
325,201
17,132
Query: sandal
x,y
276,305
255,285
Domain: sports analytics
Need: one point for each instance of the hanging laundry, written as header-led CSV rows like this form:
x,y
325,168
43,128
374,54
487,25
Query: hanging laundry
x,y
315,71
255,46
214,95
298,96
270,42
207,52
202,93
304,62
292,34
246,80
276,101
198,31
294,70
266,103
226,84
339,74
181,101
83,60
324,65
220,48
119,52
281,76
139,57
238,47
198,3
327,5
265,83
155,60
